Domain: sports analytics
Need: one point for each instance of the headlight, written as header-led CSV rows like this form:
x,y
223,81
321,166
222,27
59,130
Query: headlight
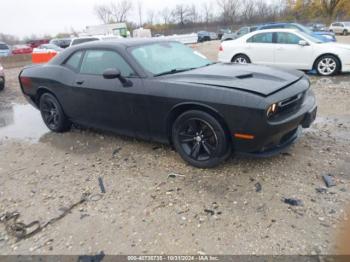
x,y
271,110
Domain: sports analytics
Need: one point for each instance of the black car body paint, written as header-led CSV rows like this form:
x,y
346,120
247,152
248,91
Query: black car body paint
x,y
237,95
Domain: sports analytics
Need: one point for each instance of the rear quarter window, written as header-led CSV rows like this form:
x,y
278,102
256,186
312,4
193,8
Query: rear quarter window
x,y
73,61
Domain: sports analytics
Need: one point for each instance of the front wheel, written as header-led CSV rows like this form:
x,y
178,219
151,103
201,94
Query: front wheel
x,y
345,32
241,59
327,65
200,139
52,114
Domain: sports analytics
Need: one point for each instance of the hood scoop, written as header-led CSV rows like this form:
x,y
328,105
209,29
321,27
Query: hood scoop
x,y
244,76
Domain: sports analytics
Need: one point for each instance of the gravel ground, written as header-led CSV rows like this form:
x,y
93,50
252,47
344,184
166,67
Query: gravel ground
x,y
236,208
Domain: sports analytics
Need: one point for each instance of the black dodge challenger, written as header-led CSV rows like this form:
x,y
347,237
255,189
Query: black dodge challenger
x,y
164,91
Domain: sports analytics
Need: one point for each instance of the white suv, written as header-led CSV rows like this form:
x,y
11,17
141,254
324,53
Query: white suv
x,y
340,28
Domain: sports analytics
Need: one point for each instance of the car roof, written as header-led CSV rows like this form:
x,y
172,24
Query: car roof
x,y
123,42
277,30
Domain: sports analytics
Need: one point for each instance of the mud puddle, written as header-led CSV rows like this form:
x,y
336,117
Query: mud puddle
x,y
21,122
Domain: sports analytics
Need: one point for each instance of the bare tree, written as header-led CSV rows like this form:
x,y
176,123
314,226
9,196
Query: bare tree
x,y
207,9
150,16
180,14
114,12
193,15
248,11
229,9
329,8
103,13
263,10
166,15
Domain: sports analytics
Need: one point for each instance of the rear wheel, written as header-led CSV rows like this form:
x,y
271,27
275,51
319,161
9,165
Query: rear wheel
x,y
200,139
2,83
241,59
327,65
52,114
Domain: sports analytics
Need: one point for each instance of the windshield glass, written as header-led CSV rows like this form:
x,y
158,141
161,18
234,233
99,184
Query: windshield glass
x,y
304,29
311,38
159,58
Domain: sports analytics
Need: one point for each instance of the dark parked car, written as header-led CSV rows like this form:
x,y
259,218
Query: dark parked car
x,y
323,36
204,36
35,43
222,32
317,27
2,78
4,49
164,91
61,42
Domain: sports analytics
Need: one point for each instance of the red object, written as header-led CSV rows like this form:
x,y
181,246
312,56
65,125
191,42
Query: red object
x,y
21,49
36,43
26,82
220,48
38,58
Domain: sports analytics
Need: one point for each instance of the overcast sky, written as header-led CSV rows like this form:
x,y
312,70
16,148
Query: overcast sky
x,y
27,17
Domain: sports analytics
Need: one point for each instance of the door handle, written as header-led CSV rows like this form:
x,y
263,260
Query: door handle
x,y
80,82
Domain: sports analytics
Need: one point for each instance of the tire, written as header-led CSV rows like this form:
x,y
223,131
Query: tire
x,y
327,65
52,114
345,32
241,59
2,84
200,139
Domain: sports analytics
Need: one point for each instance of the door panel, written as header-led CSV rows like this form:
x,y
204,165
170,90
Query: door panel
x,y
289,54
260,48
107,103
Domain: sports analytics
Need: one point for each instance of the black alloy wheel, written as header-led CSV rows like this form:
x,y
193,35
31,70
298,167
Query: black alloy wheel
x,y
52,114
200,139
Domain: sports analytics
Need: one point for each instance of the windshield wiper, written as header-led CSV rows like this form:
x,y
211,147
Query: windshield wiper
x,y
174,71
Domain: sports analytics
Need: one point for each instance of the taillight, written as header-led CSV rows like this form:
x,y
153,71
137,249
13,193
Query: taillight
x,y
26,82
221,48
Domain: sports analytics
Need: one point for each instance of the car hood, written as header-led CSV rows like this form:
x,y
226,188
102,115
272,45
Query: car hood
x,y
323,33
261,80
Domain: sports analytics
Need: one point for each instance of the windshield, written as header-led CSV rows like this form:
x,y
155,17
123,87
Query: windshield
x,y
304,29
164,57
311,38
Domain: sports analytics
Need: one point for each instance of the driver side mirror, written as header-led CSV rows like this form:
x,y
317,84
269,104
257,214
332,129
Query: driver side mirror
x,y
303,43
113,73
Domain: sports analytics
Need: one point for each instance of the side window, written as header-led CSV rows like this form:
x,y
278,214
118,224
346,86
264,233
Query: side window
x,y
288,38
265,38
95,62
74,60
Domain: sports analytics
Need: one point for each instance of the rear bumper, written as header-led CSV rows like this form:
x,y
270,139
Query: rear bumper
x,y
275,138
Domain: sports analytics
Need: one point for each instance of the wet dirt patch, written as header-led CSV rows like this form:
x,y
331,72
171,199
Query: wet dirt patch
x,y
21,122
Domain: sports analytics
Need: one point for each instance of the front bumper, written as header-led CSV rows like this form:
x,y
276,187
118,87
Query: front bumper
x,y
275,137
